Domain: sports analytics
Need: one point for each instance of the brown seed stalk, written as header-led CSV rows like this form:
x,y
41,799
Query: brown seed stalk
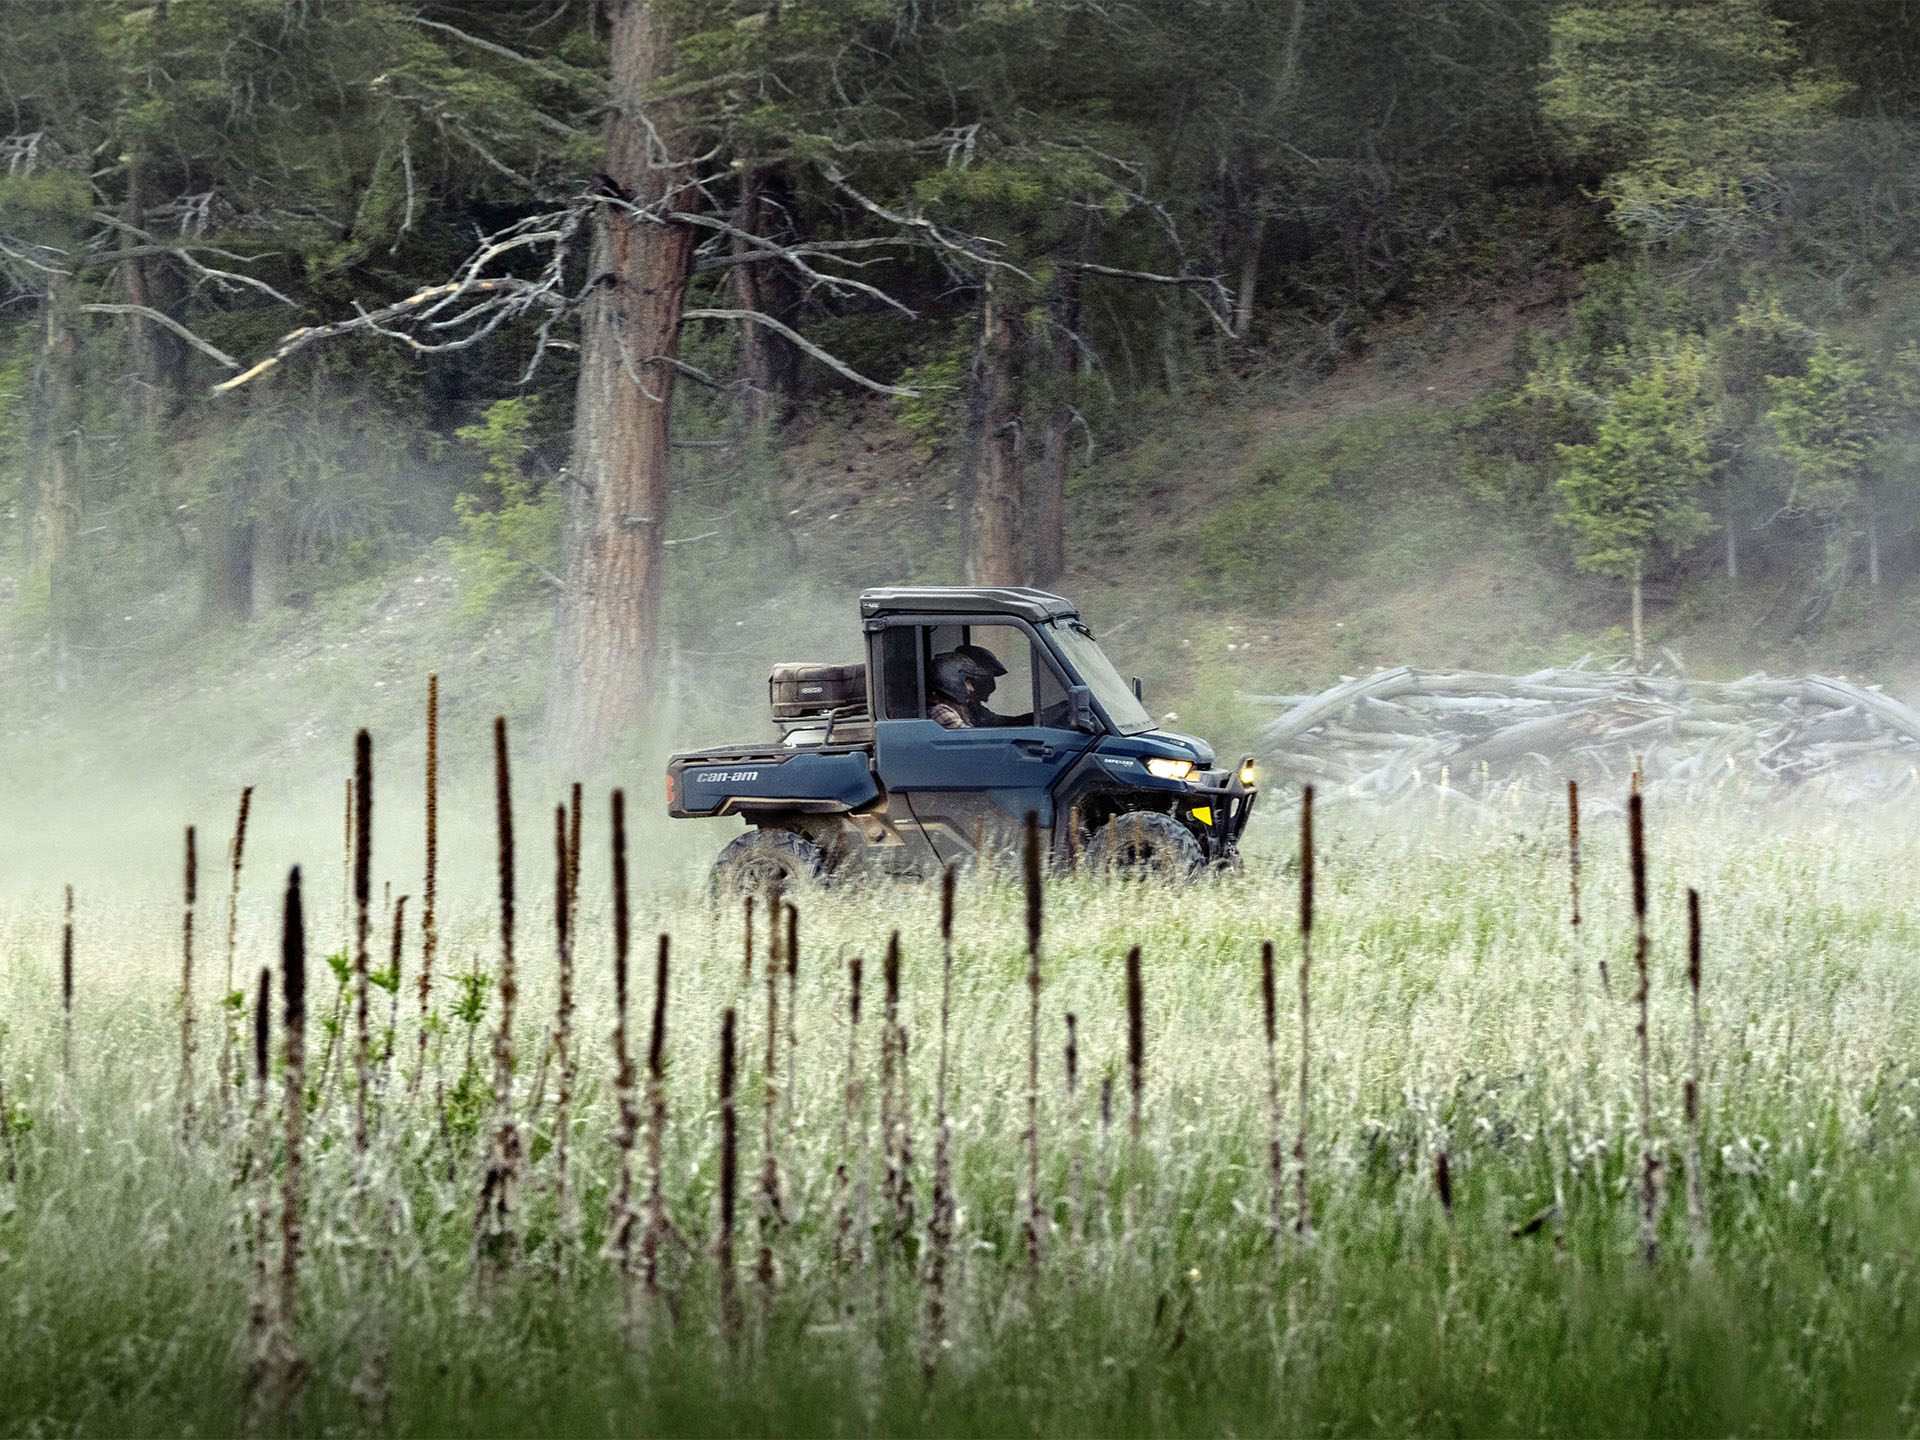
x,y
394,955
846,1242
895,1139
191,887
494,1235
1136,1042
746,962
362,896
940,1218
1642,945
621,1216
1030,856
793,996
729,1181
769,1213
566,876
429,916
1276,1151
1302,1214
1443,1183
659,1227
236,851
1696,1178
288,1369
66,990
1573,884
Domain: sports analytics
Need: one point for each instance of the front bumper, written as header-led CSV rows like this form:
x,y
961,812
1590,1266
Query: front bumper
x,y
1219,804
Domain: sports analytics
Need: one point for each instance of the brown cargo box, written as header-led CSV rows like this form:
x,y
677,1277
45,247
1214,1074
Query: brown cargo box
x,y
812,692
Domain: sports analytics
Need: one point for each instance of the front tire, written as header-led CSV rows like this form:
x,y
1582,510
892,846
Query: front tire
x,y
1143,845
756,862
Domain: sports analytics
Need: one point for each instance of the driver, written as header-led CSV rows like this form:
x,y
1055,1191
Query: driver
x,y
963,682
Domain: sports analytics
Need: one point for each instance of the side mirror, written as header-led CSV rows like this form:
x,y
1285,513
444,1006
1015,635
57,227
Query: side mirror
x,y
1080,709
1138,692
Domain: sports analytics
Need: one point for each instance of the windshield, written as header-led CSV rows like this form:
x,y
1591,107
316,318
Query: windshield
x,y
1096,672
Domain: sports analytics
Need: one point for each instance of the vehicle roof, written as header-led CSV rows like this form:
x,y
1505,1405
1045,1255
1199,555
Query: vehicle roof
x,y
1029,605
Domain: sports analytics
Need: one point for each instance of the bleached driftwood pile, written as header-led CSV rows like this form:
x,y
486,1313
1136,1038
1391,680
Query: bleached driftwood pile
x,y
1397,732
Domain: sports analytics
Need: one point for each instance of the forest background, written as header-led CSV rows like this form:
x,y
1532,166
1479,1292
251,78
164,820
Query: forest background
x,y
593,355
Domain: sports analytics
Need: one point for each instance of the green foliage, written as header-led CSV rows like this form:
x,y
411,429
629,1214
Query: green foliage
x,y
1300,505
1634,491
1685,108
1829,424
509,545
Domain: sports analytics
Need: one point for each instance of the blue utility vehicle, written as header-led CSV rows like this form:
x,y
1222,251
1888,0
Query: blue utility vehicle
x,y
862,781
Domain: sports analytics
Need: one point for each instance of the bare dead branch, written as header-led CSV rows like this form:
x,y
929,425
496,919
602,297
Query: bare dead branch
x,y
508,287
805,346
576,77
165,322
972,248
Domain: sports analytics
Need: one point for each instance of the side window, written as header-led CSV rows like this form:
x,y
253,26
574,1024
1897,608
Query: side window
x,y
1014,695
900,672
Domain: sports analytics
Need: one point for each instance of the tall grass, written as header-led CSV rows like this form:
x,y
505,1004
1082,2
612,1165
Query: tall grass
x,y
1474,1194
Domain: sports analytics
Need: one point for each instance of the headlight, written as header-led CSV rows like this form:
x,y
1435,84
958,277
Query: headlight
x,y
1248,775
1169,769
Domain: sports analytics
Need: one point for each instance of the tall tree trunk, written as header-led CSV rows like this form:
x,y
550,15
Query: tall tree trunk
x,y
1639,616
1733,551
1050,484
158,356
994,552
1873,553
768,362
609,630
1253,233
56,421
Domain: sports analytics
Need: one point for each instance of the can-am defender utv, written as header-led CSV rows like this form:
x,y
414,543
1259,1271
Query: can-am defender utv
x,y
862,780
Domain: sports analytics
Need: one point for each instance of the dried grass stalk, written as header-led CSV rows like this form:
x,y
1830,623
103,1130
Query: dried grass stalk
x,y
621,1216
1136,1042
66,991
1276,1152
659,1227
1642,946
1077,1168
362,896
850,1177
396,950
1302,1211
429,895
495,1238
941,1217
895,1129
1030,856
286,1367
1573,886
230,998
1696,1179
729,1181
768,1209
191,885
792,951
565,880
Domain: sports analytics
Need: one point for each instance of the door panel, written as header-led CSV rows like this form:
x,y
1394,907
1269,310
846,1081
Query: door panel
x,y
1013,766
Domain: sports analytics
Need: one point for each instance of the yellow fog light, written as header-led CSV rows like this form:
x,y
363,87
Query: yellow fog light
x,y
1204,814
1248,775
1169,769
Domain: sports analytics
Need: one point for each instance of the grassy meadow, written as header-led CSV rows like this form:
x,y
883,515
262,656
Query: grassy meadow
x,y
1453,1014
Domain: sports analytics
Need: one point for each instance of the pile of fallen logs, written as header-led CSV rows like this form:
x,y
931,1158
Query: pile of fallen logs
x,y
1402,731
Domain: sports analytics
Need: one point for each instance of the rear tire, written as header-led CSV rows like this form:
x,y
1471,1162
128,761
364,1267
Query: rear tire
x,y
757,861
1143,845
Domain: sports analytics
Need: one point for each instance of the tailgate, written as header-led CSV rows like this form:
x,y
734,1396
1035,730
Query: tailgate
x,y
807,781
